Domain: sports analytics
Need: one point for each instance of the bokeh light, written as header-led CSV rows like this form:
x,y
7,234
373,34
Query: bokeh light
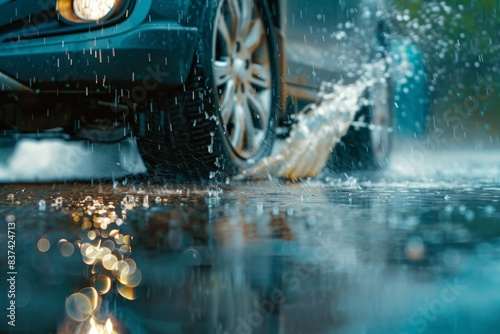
x,y
78,307
43,245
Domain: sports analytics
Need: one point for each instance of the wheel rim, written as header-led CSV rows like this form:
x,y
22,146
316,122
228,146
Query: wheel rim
x,y
380,119
242,76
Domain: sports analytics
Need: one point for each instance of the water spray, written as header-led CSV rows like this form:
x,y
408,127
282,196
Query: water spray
x,y
314,135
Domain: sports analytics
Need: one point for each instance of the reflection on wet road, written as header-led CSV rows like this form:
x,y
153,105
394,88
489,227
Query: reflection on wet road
x,y
414,250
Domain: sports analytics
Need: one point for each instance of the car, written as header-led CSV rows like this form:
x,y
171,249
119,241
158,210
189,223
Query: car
x,y
205,87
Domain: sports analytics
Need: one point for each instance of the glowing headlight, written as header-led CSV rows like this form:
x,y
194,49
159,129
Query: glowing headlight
x,y
92,10
87,11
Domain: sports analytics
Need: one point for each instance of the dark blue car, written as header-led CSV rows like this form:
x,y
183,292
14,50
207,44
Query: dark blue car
x,y
204,86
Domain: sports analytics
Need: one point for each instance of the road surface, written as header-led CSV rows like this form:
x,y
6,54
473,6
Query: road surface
x,y
415,249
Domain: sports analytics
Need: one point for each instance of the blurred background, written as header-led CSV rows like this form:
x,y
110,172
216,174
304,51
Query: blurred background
x,y
210,258
452,48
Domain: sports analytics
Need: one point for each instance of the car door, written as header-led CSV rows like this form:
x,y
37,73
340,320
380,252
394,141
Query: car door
x,y
326,41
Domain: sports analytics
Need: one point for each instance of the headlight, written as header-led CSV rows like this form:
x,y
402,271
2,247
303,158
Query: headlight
x,y
82,11
93,10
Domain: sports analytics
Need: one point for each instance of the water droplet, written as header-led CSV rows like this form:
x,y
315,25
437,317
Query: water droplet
x,y
190,257
42,206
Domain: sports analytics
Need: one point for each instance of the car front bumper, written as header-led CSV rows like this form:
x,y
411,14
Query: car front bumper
x,y
135,52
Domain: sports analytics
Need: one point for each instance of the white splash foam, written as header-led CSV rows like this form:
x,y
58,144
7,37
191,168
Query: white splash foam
x,y
49,160
317,130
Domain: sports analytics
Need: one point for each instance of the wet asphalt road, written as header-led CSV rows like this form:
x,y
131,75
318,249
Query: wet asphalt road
x,y
415,249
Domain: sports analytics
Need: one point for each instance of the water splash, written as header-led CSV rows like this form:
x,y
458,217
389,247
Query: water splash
x,y
316,132
42,205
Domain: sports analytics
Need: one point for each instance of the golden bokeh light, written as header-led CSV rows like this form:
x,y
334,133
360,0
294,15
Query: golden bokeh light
x,y
119,239
109,244
126,239
93,296
101,283
87,225
109,261
92,234
67,249
131,265
78,307
106,252
126,291
61,242
98,268
43,245
122,268
125,250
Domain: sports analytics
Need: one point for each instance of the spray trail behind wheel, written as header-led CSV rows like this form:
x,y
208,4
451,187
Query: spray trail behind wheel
x,y
314,135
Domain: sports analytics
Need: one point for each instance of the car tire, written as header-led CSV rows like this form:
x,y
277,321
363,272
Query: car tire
x,y
223,121
368,142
